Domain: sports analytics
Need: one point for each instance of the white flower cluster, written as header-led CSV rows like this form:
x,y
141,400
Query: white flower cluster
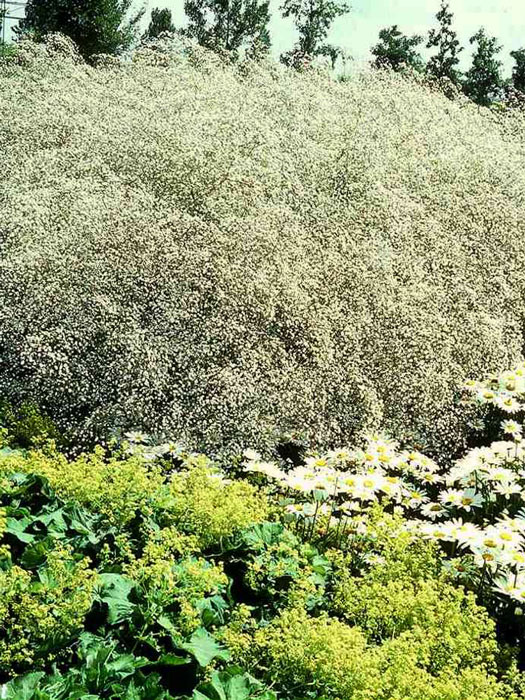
x,y
505,390
223,252
477,504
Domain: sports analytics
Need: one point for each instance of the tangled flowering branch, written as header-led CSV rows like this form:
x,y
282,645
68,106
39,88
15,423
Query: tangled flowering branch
x,y
229,252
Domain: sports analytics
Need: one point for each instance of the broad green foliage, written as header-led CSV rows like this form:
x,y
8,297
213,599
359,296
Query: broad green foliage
x,y
232,685
281,570
117,489
483,81
443,64
192,585
135,584
196,500
96,26
225,253
397,51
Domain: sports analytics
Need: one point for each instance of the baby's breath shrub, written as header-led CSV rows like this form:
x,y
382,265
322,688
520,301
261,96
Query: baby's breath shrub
x,y
40,614
228,254
201,504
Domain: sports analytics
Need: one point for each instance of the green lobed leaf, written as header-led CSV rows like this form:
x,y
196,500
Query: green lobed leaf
x,y
113,590
204,647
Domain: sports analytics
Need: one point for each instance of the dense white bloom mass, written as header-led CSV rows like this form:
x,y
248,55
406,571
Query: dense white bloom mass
x,y
223,252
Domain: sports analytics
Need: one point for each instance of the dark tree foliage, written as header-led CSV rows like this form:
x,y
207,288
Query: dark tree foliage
x,y
518,71
397,51
443,64
96,26
313,19
483,80
234,24
160,22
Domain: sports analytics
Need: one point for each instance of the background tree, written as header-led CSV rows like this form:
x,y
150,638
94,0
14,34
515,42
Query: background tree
x,y
96,26
483,80
518,71
443,64
234,23
161,21
397,51
313,19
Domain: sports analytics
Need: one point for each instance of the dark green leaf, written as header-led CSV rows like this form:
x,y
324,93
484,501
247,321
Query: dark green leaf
x,y
113,590
172,660
17,529
205,648
22,688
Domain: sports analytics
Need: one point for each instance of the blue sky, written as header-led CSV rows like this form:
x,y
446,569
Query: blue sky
x,y
357,31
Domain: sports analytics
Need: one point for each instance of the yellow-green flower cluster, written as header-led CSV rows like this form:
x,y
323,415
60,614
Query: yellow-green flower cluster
x,y
182,585
335,659
39,616
202,504
4,548
118,489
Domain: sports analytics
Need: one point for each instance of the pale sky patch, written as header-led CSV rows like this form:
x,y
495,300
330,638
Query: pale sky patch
x,y
358,31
